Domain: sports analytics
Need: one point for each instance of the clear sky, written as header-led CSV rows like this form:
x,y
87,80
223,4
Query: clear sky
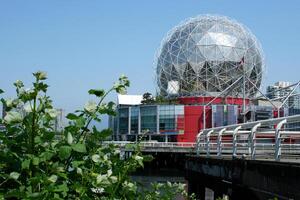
x,y
88,44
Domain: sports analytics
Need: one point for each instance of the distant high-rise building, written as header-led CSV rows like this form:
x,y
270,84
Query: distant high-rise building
x,y
280,91
59,120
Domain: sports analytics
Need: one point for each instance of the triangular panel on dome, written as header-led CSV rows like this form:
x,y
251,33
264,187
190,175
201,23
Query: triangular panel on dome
x,y
233,56
225,51
189,79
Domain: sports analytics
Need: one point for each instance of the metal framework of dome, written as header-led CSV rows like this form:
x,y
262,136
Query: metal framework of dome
x,y
209,55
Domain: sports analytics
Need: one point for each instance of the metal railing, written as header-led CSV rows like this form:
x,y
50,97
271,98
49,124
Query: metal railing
x,y
155,144
277,138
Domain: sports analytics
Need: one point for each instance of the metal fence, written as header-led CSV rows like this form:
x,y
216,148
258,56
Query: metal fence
x,y
266,139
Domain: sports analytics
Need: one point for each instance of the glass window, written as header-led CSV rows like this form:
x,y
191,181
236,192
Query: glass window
x,y
171,119
148,119
123,120
134,120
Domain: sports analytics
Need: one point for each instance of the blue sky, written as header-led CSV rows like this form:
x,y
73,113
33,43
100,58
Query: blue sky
x,y
88,44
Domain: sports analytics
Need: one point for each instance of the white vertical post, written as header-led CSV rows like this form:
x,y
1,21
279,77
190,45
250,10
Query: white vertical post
x,y
198,142
234,141
208,143
220,141
278,140
252,141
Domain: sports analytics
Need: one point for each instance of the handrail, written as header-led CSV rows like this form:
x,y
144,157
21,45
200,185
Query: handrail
x,y
271,139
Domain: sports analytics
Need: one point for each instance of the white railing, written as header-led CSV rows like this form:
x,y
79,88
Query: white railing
x,y
155,144
276,138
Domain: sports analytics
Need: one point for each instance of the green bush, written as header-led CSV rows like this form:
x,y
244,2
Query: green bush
x,y
39,163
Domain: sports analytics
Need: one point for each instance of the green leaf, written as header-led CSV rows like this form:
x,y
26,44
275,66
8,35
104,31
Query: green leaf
x,y
80,122
98,93
37,139
72,116
14,175
41,86
64,152
62,188
77,163
46,156
139,160
79,147
69,138
52,178
35,160
25,164
1,91
105,133
100,135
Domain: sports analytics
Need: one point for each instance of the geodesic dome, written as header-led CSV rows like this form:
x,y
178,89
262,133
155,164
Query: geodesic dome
x,y
209,55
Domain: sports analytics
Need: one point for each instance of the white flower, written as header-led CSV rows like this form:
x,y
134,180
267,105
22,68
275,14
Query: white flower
x,y
9,102
109,172
117,151
105,157
40,75
79,170
19,84
97,190
29,90
138,158
22,91
52,112
69,138
129,185
96,158
13,117
113,179
90,106
53,178
28,108
102,179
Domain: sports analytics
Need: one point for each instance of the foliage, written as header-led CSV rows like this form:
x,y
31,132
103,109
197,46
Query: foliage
x,y
36,164
147,98
163,100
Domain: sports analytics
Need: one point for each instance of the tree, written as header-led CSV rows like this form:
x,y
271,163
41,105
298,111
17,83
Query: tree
x,y
79,165
147,98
